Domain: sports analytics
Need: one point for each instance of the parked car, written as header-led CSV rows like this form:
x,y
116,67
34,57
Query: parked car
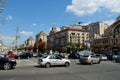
x,y
12,56
25,55
109,56
52,60
60,55
2,55
117,59
74,56
6,63
85,52
92,58
102,57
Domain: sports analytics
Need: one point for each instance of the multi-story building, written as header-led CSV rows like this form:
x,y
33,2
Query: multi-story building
x,y
110,42
41,36
28,45
96,29
59,39
1,46
4,48
30,42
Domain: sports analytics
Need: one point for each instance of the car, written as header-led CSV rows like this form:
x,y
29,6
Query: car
x,y
85,52
102,57
61,55
53,60
91,58
117,59
25,55
109,56
2,55
12,56
6,63
74,56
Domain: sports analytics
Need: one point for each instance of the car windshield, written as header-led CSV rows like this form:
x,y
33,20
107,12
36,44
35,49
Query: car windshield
x,y
85,52
85,55
44,56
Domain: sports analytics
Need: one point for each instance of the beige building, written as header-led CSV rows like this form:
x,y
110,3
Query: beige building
x,y
59,39
41,36
4,48
96,30
1,46
30,42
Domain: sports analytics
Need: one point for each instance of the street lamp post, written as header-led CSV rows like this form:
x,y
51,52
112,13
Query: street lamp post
x,y
16,38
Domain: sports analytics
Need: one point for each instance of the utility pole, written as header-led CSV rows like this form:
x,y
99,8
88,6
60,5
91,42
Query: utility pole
x,y
16,38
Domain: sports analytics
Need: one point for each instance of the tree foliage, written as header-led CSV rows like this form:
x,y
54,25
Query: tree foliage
x,y
74,47
40,46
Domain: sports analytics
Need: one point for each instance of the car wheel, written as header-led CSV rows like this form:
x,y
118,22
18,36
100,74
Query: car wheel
x,y
7,66
91,62
67,64
28,57
47,65
99,62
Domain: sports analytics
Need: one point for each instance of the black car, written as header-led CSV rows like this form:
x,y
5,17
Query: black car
x,y
25,55
6,63
74,56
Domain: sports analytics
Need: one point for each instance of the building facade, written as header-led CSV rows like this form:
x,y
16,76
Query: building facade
x,y
110,42
1,46
30,42
59,39
41,36
96,29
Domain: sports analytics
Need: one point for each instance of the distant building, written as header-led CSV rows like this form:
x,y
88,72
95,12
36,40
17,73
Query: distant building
x,y
41,36
96,30
59,39
30,42
1,46
110,42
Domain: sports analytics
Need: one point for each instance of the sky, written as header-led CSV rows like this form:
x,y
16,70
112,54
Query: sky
x,y
34,16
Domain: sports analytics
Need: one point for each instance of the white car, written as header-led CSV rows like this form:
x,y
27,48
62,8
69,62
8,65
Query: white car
x,y
102,57
52,60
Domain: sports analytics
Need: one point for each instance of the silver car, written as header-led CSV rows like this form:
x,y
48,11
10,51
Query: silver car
x,y
92,58
52,60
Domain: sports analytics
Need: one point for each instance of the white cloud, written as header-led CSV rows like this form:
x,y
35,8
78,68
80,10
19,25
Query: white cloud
x,y
5,19
34,24
7,39
87,23
41,25
85,7
26,33
109,22
9,18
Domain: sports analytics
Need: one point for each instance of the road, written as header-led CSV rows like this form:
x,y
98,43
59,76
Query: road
x,y
27,69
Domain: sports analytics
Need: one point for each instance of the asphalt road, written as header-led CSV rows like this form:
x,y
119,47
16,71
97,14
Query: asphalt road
x,y
29,70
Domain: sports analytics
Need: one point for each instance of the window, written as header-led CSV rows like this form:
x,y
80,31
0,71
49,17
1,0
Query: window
x,y
52,57
73,33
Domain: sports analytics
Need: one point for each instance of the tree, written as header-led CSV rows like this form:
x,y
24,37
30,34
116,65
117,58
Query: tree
x,y
36,45
40,46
